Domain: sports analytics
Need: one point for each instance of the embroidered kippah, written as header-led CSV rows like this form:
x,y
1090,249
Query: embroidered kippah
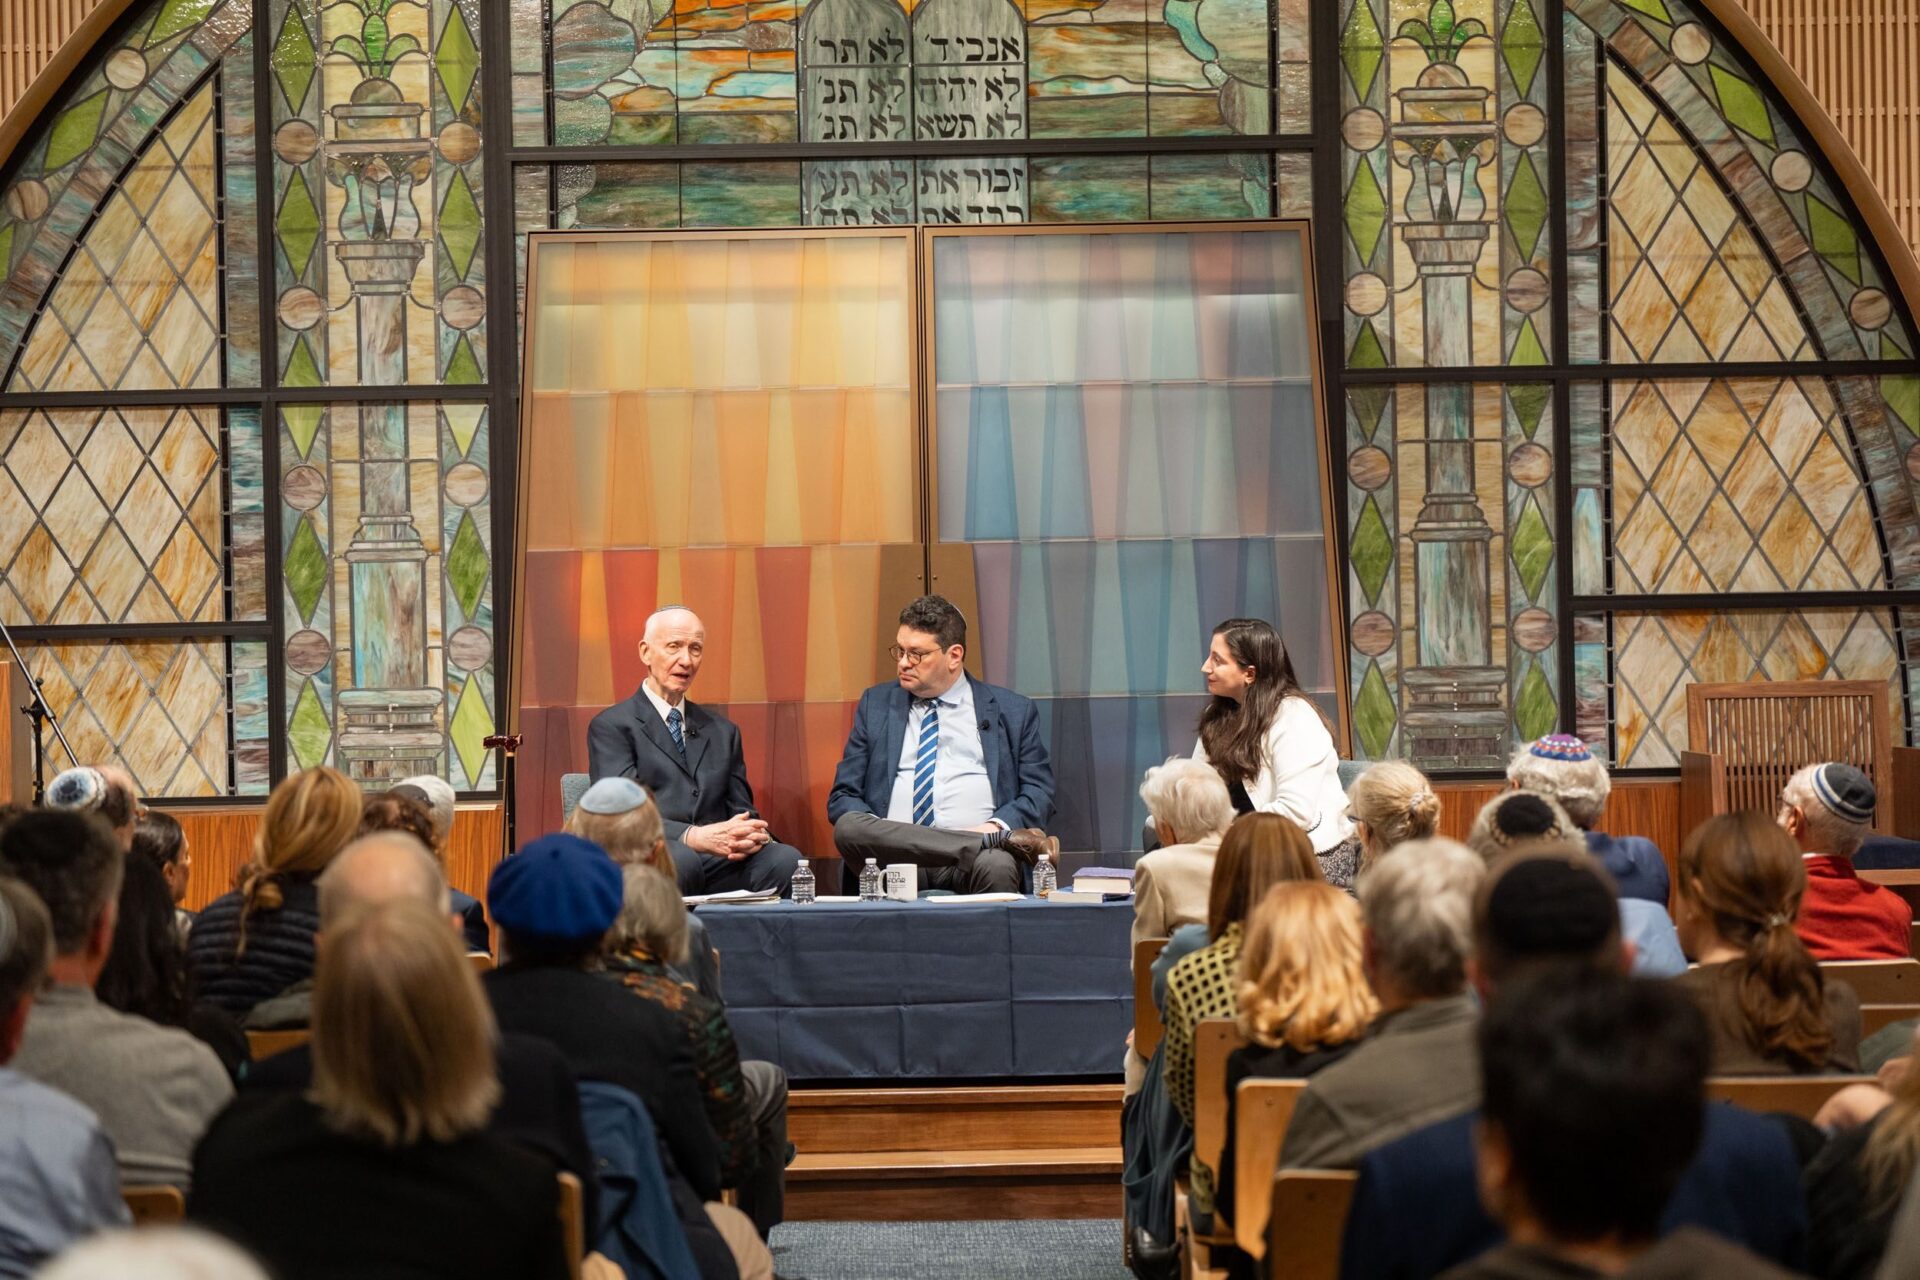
x,y
1560,746
82,788
1845,791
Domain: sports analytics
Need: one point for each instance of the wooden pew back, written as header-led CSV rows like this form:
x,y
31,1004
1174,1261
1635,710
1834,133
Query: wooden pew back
x,y
1261,1112
1146,1014
1309,1217
1213,1040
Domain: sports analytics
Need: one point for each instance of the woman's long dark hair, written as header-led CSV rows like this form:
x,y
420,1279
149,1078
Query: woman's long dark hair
x,y
146,972
1235,733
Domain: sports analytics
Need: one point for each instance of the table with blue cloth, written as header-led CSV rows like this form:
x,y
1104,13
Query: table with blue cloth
x,y
928,991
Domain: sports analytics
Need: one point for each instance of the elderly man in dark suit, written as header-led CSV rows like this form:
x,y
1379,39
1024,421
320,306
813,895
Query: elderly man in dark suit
x,y
690,759
941,770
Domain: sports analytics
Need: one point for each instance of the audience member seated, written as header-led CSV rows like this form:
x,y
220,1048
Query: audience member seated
x,y
436,795
1418,1065
539,1103
252,944
105,791
1415,1212
1856,1183
1391,803
1766,1003
154,1088
746,1102
146,970
1260,850
155,1253
1595,1104
58,1181
1561,767
1272,744
384,1167
157,837
553,904
1828,810
1189,809
1304,998
1520,820
618,815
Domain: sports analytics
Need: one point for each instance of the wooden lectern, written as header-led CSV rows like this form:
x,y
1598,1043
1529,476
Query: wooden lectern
x,y
16,741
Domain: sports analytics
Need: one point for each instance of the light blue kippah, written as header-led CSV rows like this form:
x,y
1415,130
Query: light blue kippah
x,y
613,795
81,788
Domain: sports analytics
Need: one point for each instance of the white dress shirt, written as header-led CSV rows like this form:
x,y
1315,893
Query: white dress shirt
x,y
1300,776
662,706
962,795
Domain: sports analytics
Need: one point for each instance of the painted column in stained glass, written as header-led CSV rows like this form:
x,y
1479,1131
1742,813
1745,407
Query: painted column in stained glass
x,y
854,60
970,82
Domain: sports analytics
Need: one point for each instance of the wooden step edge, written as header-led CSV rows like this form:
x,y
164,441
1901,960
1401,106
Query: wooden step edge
x,y
1050,1162
1042,1095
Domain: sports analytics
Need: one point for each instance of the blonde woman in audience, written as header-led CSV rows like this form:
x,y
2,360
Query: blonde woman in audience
x,y
384,1167
1771,1011
620,816
1304,998
1188,804
1391,803
252,944
1260,850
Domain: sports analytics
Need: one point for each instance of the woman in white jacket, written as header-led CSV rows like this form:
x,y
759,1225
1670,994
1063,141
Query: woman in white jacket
x,y
1271,743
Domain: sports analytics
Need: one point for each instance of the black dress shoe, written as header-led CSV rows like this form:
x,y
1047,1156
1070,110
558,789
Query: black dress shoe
x,y
1028,843
1148,1259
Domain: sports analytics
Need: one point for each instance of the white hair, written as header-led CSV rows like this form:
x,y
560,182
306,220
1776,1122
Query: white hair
x,y
382,866
1834,834
1581,786
1417,901
154,1253
1189,796
439,794
653,619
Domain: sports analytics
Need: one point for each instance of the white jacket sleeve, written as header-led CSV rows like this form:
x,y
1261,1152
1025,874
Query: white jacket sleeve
x,y
1298,749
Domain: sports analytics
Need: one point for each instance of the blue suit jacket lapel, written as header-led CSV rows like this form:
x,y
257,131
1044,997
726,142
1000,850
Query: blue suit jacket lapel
x,y
898,704
987,707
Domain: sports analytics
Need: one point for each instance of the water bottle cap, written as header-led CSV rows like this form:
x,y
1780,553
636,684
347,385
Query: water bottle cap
x,y
870,862
803,862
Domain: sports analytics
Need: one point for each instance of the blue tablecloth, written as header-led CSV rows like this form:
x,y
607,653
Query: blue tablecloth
x,y
919,990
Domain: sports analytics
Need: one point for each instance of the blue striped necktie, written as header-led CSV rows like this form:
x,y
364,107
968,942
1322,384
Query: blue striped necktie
x,y
673,727
923,764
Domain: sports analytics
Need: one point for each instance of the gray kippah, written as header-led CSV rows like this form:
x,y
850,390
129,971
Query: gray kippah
x,y
82,788
613,795
1846,791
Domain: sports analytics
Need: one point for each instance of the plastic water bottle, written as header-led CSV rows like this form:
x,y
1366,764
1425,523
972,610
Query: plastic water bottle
x,y
870,882
1045,881
803,883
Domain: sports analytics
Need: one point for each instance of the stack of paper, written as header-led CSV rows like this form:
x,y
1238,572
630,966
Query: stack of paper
x,y
732,897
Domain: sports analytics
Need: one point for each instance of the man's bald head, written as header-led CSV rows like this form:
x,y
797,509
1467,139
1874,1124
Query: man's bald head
x,y
672,645
386,866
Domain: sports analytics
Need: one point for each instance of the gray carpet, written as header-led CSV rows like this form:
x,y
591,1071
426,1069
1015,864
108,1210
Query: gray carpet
x,y
1044,1250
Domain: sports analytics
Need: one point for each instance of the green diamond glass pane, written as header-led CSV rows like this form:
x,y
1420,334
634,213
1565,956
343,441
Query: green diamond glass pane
x,y
1373,713
467,566
1368,404
1903,397
1529,403
301,370
463,370
1532,547
177,16
464,421
1833,239
293,59
1366,211
307,729
1367,352
1361,48
298,224
1522,46
457,59
303,423
460,224
469,729
1742,104
306,569
1526,206
1372,551
1652,8
1535,713
1527,350
74,131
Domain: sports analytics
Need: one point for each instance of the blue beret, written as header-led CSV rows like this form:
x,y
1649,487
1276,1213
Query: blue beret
x,y
559,888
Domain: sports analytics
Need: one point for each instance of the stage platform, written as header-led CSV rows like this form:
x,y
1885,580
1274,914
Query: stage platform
x,y
1027,1150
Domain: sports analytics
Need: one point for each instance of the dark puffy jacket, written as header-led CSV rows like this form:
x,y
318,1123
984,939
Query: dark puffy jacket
x,y
279,946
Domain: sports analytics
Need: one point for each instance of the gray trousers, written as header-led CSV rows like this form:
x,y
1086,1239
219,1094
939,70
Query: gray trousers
x,y
947,859
763,1192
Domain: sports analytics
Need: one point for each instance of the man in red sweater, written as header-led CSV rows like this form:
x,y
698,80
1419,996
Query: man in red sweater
x,y
1828,810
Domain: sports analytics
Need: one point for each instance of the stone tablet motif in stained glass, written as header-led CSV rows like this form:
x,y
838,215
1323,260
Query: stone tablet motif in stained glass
x,y
856,86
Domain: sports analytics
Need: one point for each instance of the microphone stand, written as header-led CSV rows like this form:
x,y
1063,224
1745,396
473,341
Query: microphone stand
x,y
41,715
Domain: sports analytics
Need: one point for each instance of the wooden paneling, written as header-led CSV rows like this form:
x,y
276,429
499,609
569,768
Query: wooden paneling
x,y
16,738
31,31
1861,60
1647,807
222,841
